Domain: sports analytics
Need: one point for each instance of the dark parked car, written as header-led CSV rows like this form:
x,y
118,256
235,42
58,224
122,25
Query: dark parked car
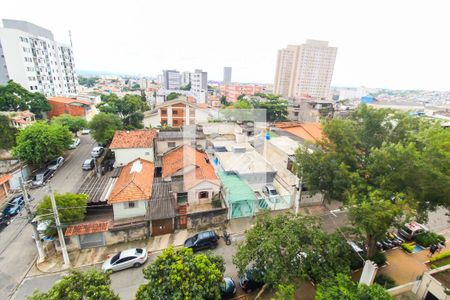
x,y
14,206
4,221
248,281
227,288
88,164
41,177
202,240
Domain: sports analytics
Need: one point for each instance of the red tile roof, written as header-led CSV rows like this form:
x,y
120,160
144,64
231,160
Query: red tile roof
x,y
68,100
311,132
134,183
184,157
4,178
87,228
133,139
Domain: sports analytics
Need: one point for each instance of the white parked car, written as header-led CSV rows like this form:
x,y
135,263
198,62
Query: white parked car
x,y
85,131
130,258
97,152
75,143
56,163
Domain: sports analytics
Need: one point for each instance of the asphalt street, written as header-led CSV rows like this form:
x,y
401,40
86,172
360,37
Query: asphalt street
x,y
17,248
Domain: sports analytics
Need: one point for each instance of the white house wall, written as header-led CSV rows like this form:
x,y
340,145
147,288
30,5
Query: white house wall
x,y
124,156
121,210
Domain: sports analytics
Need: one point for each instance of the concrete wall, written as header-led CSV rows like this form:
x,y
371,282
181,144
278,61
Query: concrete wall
x,y
205,186
124,156
138,232
163,146
206,219
121,210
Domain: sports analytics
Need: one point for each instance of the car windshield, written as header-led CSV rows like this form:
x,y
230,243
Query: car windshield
x,y
115,258
139,251
87,162
406,229
39,177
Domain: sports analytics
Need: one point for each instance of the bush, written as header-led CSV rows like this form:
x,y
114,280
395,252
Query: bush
x,y
355,261
379,258
440,256
385,281
426,239
409,247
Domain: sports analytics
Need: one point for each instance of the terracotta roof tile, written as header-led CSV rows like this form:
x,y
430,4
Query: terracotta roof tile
x,y
311,132
87,228
134,183
133,139
68,100
184,157
4,178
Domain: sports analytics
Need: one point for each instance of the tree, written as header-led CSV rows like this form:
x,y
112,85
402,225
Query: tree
x,y
77,285
8,133
129,109
187,87
71,208
288,247
172,96
104,125
342,287
13,97
135,86
74,124
276,108
223,101
87,81
41,142
285,292
183,275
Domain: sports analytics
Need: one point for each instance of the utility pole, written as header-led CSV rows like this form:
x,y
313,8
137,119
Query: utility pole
x,y
37,238
298,195
58,227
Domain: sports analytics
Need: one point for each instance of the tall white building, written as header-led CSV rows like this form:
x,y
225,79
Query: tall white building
x,y
199,85
171,80
185,78
227,75
305,70
30,56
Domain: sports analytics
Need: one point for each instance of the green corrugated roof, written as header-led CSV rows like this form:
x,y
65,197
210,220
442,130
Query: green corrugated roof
x,y
236,189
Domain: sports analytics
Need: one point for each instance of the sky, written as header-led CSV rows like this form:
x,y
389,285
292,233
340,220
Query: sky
x,y
390,44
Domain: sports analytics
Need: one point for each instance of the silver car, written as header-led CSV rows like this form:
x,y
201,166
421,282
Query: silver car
x,y
56,163
130,258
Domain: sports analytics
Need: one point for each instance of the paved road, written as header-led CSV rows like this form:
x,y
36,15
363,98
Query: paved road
x,y
17,248
125,282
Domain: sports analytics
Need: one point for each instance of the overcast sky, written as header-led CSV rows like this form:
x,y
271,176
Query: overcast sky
x,y
393,44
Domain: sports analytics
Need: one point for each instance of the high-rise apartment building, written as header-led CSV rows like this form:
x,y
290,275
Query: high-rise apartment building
x,y
30,56
199,81
305,70
185,78
171,80
226,75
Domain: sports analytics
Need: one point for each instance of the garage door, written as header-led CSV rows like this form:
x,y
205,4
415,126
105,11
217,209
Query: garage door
x,y
160,227
91,240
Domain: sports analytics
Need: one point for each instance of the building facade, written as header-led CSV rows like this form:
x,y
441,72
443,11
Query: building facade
x,y
305,70
30,56
227,75
233,91
185,78
171,80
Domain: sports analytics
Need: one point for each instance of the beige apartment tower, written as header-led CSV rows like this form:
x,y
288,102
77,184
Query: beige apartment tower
x,y
305,70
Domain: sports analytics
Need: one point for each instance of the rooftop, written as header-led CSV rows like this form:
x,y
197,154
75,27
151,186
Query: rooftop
x,y
134,183
162,205
66,100
87,228
244,163
235,188
124,139
311,132
285,143
4,178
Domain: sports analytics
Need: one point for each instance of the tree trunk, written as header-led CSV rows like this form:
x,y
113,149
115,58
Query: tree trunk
x,y
261,291
371,245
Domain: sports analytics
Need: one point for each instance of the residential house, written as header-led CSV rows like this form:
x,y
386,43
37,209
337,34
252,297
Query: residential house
x,y
192,177
19,119
168,139
88,234
128,145
69,106
4,187
132,190
305,132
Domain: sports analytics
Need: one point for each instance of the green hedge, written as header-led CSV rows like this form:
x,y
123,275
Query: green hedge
x,y
409,247
385,281
440,256
379,258
426,239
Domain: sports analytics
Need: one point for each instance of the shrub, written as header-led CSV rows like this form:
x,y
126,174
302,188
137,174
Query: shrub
x,y
385,281
379,258
426,239
409,247
440,256
355,261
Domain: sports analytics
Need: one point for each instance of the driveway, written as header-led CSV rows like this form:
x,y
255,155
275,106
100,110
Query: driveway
x,y
17,248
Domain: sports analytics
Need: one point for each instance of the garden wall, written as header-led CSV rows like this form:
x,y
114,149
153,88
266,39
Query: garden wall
x,y
205,219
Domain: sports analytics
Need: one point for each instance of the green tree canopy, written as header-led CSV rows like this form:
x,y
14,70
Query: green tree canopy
x,y
172,96
87,81
342,287
71,208
187,87
288,247
41,142
8,133
92,285
183,275
129,109
104,125
276,108
13,97
73,123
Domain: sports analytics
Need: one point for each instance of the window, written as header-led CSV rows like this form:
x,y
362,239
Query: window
x,y
163,111
130,204
175,112
175,122
203,195
171,144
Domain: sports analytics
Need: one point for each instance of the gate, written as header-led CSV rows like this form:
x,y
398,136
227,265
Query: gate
x,y
163,226
91,240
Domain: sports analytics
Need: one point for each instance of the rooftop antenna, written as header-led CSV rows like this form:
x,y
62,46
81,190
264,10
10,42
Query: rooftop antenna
x,y
70,37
